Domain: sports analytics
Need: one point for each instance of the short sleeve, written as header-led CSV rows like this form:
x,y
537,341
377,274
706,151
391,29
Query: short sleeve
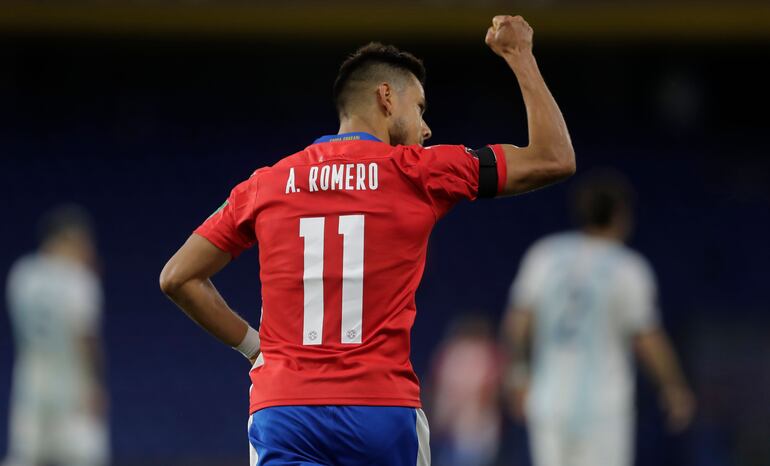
x,y
231,226
84,302
449,173
637,296
526,288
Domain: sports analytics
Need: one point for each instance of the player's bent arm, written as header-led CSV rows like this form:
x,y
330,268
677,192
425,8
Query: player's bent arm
x,y
549,157
186,281
657,355
530,168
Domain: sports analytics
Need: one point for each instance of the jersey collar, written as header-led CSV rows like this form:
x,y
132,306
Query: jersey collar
x,y
357,136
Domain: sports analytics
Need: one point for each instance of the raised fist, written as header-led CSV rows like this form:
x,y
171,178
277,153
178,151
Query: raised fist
x,y
509,35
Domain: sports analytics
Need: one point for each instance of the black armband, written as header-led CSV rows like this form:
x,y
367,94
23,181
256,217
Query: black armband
x,y
487,171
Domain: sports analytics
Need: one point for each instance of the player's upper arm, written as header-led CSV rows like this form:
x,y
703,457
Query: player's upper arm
x,y
524,294
636,296
223,236
526,287
84,301
198,258
529,168
232,227
518,323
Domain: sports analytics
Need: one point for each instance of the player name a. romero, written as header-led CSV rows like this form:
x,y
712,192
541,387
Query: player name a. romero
x,y
337,177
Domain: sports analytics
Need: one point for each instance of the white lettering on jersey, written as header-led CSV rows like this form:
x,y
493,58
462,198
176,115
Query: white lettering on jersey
x,y
311,179
360,177
373,181
325,177
339,177
348,177
290,188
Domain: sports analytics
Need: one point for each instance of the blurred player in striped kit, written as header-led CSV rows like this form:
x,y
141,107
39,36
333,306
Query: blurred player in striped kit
x,y
586,302
55,304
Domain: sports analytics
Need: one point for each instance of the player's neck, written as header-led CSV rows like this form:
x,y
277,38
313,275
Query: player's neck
x,y
356,124
607,233
63,251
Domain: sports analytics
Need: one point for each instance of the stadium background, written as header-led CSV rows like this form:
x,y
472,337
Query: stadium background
x,y
148,112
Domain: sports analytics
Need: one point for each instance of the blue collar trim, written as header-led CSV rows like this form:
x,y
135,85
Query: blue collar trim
x,y
358,136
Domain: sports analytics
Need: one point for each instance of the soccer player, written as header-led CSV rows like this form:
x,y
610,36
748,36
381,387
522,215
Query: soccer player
x,y
585,301
55,305
342,228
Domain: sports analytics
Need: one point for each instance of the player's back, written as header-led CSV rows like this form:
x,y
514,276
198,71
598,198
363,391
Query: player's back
x,y
589,296
342,228
52,302
341,255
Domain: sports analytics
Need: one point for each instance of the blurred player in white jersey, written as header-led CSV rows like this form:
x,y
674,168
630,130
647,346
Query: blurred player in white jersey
x,y
55,300
585,303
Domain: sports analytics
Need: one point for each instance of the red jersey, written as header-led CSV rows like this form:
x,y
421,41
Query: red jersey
x,y
343,228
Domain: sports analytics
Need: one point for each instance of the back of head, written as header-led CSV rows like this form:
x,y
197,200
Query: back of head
x,y
65,223
369,66
601,199
470,326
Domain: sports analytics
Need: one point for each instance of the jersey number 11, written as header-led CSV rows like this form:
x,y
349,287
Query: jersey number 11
x,y
351,227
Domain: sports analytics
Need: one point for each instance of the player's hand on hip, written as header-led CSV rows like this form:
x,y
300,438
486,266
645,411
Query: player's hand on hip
x,y
517,402
97,402
509,36
679,404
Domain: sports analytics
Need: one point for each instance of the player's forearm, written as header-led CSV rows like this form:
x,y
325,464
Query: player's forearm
x,y
548,134
201,301
517,337
518,371
658,358
93,355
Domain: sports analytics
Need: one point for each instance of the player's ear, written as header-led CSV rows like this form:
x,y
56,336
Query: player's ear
x,y
385,94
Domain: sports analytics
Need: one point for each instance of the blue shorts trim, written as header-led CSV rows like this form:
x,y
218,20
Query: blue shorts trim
x,y
334,436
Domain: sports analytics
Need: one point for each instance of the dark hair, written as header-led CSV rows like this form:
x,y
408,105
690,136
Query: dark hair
x,y
64,218
475,324
358,65
599,196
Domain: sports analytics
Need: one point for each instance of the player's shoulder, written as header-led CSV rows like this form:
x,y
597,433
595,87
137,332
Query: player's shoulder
x,y
633,257
61,271
74,272
249,185
23,266
442,148
549,244
439,150
413,156
296,158
449,150
634,265
547,249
